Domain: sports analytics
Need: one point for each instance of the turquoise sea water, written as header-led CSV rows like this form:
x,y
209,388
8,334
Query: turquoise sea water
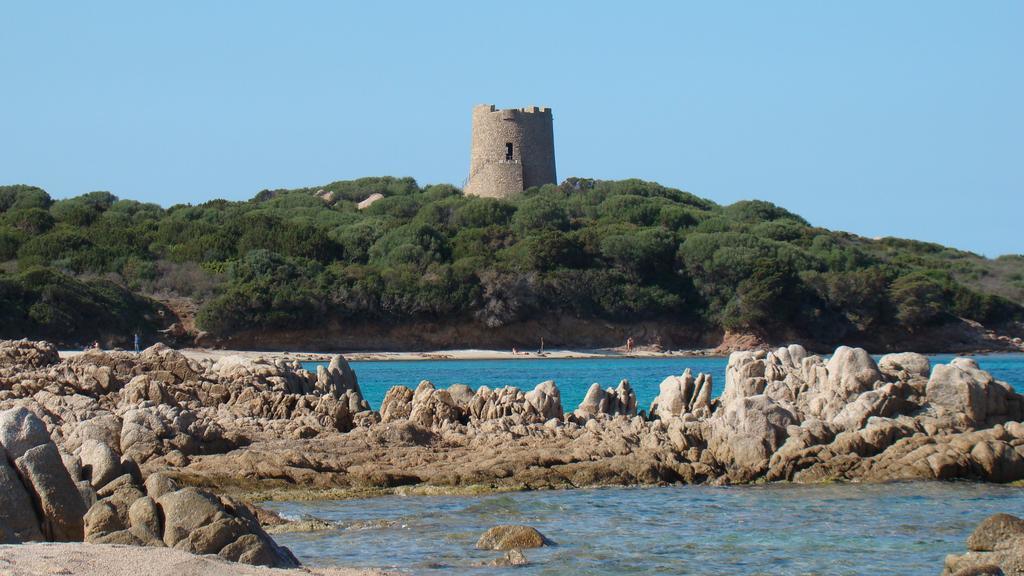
x,y
573,377
831,529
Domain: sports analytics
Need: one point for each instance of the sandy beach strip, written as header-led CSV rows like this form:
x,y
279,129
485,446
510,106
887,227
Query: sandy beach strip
x,y
468,354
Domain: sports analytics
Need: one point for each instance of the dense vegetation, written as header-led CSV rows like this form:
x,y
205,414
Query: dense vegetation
x,y
630,250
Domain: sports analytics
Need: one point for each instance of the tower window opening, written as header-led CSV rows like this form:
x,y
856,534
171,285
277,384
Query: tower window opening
x,y
508,151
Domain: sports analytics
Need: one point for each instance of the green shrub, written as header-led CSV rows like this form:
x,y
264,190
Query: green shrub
x,y
625,251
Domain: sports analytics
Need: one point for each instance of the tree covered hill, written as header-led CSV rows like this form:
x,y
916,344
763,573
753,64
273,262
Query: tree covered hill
x,y
97,267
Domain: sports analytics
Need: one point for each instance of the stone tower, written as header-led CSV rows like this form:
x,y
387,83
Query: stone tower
x,y
512,150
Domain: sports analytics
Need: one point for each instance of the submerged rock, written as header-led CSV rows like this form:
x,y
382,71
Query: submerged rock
x,y
994,530
995,547
510,537
514,557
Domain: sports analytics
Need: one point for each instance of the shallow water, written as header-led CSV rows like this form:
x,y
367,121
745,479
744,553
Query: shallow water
x,y
834,529
573,377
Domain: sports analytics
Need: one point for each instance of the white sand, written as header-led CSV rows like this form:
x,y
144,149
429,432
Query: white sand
x,y
39,559
470,354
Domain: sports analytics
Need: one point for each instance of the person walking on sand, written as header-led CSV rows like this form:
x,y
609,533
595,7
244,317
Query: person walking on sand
x,y
541,351
629,345
137,342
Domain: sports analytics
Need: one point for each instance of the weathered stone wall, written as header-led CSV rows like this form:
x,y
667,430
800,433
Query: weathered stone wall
x,y
499,180
530,132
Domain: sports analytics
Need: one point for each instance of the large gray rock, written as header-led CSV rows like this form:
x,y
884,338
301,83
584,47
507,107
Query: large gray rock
x,y
905,364
463,395
546,399
824,390
102,519
961,387
213,537
144,388
157,484
252,549
187,510
882,402
264,553
17,516
167,364
852,371
397,404
55,493
339,380
620,401
199,522
73,464
792,356
145,521
21,430
105,428
594,402
432,408
745,433
100,463
744,375
509,401
343,374
997,461
681,395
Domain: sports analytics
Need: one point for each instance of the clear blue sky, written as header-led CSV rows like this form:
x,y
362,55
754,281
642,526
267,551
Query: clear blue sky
x,y
880,118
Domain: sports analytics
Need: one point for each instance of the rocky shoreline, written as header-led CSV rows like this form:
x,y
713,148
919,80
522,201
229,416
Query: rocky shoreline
x,y
113,447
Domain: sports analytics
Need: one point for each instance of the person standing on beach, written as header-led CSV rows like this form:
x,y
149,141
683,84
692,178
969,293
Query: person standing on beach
x,y
137,342
629,345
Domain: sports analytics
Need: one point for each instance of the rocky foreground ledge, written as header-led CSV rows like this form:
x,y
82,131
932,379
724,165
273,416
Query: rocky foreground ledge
x,y
110,560
113,447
